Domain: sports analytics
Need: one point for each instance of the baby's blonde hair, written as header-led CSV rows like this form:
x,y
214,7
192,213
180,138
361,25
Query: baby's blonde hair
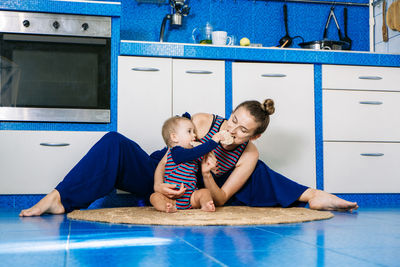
x,y
170,127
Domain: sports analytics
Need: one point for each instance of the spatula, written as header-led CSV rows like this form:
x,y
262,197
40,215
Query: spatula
x,y
393,16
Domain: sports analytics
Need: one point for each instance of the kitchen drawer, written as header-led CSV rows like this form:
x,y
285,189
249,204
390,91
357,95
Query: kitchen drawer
x,y
361,167
361,116
273,75
360,78
27,167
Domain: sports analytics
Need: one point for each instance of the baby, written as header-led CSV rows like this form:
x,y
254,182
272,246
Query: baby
x,y
182,164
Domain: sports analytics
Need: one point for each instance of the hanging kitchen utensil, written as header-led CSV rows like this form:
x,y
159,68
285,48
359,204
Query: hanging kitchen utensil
x,y
325,43
384,27
346,38
332,15
393,16
286,40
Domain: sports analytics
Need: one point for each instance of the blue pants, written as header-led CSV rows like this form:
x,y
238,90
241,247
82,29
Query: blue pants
x,y
118,162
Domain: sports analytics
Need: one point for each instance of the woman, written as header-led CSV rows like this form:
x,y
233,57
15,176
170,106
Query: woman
x,y
240,179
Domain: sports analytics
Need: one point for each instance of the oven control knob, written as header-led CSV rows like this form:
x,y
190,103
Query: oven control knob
x,y
56,25
85,26
26,23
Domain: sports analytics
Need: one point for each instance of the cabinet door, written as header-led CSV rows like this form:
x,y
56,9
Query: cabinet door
x,y
288,145
356,167
144,99
198,86
34,162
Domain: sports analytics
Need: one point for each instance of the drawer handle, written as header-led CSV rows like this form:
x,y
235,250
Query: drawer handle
x,y
371,102
370,78
273,75
145,69
54,144
372,154
199,72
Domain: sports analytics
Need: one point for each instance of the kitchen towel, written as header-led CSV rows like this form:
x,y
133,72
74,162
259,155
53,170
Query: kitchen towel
x,y
195,217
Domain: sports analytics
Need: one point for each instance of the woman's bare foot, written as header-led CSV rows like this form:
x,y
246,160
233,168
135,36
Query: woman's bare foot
x,y
321,200
51,203
209,206
169,208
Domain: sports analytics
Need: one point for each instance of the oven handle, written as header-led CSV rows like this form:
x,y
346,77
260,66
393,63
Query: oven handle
x,y
54,144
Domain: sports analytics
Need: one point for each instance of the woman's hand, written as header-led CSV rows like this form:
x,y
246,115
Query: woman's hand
x,y
169,190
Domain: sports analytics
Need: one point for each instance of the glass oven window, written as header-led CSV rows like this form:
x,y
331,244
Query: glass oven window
x,y
54,72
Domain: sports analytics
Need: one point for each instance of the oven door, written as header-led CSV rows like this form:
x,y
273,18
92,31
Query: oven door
x,y
54,78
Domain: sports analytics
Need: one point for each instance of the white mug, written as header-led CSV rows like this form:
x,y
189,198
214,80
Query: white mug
x,y
220,38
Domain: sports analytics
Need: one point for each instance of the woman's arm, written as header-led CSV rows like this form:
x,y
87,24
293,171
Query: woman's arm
x,y
243,169
164,188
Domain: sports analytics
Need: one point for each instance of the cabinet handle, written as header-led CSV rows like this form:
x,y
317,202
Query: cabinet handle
x,y
370,78
371,102
273,75
372,154
199,72
145,69
54,144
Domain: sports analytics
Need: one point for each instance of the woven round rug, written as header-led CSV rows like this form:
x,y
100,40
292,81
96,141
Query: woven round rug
x,y
222,216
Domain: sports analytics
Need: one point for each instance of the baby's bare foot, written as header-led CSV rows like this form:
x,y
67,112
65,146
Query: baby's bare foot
x,y
209,206
169,208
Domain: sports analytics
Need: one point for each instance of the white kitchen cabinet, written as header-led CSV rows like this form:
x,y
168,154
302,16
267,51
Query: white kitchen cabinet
x,y
144,99
358,167
198,86
288,145
361,129
150,90
34,162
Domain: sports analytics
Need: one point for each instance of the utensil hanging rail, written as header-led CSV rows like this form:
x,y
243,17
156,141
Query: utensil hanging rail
x,y
319,2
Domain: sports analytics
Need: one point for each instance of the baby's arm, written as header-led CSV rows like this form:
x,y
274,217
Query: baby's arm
x,y
180,154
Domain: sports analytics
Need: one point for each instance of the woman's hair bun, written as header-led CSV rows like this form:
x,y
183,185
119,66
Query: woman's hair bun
x,y
268,106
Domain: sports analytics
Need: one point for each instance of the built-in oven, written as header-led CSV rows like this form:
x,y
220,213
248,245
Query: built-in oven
x,y
54,67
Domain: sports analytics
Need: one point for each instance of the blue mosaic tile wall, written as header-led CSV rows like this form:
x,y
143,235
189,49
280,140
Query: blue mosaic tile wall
x,y
260,21
111,200
128,200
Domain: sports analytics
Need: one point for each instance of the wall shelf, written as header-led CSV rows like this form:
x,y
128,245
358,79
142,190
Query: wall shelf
x,y
320,2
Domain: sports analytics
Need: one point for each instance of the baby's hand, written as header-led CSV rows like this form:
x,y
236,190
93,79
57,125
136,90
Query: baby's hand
x,y
224,137
195,143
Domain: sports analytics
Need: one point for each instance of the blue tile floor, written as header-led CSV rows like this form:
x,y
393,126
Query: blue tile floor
x,y
369,237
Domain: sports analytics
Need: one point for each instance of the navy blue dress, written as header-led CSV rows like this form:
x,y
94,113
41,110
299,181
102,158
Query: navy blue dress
x,y
118,162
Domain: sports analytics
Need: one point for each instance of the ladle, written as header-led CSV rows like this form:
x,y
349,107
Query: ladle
x,y
285,40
